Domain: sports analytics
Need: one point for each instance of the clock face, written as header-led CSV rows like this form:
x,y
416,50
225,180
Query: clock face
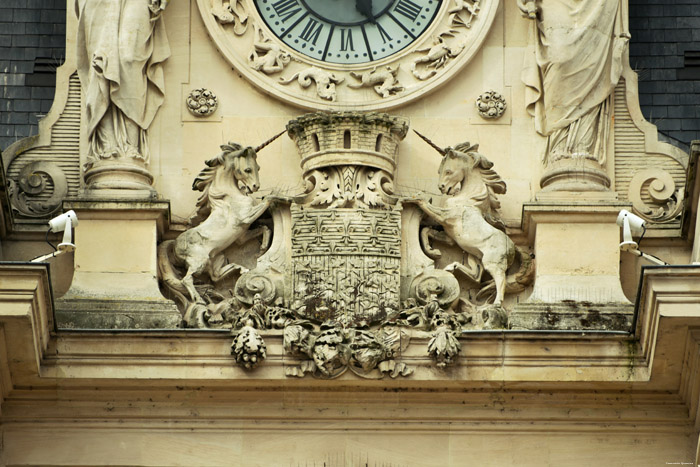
x,y
348,54
348,31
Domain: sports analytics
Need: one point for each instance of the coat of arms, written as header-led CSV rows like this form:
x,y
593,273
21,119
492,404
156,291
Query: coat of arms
x,y
348,268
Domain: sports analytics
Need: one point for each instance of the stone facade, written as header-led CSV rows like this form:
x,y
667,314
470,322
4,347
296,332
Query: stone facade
x,y
662,36
400,278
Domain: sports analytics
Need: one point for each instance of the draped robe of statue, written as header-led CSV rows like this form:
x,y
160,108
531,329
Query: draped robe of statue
x,y
576,64
121,47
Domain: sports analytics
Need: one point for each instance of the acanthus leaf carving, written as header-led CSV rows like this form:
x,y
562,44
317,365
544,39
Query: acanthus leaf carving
x,y
346,186
444,347
327,187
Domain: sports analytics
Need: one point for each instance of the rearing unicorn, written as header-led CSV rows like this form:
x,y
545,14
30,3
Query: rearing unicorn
x,y
225,211
469,217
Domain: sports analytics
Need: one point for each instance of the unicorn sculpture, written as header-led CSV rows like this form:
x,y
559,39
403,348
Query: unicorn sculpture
x,y
225,211
470,218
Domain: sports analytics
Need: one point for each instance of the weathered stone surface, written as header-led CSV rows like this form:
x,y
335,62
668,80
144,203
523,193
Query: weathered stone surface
x,y
572,316
75,313
442,364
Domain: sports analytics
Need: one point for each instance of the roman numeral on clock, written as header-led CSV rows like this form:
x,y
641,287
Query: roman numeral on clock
x,y
383,34
285,9
311,31
408,9
346,40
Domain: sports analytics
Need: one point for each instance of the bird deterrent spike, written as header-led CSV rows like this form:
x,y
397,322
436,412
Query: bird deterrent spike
x,y
433,145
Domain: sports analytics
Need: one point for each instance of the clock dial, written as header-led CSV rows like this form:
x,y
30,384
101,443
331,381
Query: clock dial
x,y
348,54
348,31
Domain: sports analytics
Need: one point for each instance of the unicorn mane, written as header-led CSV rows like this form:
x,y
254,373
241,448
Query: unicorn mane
x,y
203,181
483,167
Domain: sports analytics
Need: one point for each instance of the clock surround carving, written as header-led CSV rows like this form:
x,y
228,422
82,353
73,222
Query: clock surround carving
x,y
435,55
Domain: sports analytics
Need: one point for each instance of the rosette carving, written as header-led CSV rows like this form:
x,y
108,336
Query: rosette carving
x,y
491,104
202,102
654,195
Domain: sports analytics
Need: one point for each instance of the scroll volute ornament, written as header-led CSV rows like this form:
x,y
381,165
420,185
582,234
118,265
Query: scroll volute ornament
x,y
39,189
654,195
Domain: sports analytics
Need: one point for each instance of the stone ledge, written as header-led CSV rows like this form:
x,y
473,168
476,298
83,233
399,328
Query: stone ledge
x,y
121,209
572,316
569,211
116,314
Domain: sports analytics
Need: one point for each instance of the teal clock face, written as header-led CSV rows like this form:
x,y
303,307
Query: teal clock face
x,y
348,31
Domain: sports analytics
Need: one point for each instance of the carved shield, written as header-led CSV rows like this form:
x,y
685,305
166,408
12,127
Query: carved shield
x,y
345,264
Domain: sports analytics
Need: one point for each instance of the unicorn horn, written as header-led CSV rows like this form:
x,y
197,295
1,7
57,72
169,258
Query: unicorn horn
x,y
433,145
270,140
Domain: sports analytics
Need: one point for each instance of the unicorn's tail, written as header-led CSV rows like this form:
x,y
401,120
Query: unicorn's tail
x,y
169,275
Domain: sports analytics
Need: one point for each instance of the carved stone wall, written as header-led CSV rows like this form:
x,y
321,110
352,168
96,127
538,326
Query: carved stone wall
x,y
45,169
650,174
437,373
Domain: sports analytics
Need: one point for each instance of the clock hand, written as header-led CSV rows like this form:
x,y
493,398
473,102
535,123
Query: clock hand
x,y
365,7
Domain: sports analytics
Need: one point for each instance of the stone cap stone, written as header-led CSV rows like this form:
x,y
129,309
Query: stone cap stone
x,y
568,212
121,209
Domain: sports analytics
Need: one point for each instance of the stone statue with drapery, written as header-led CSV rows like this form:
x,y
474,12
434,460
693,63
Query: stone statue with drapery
x,y
575,65
122,45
